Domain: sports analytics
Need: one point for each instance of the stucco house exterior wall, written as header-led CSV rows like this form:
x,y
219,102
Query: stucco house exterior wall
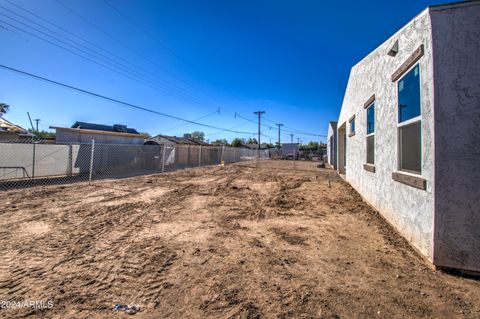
x,y
80,136
456,69
84,133
332,144
422,207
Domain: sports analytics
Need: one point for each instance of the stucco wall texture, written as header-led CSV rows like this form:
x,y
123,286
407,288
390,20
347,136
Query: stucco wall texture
x,y
442,221
332,144
77,137
456,69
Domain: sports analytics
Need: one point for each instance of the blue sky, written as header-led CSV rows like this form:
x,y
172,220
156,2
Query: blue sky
x,y
189,58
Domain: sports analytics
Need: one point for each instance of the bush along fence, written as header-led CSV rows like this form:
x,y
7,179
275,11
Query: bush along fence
x,y
28,163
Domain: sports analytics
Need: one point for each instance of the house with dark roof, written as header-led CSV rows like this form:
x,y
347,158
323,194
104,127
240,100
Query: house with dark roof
x,y
83,132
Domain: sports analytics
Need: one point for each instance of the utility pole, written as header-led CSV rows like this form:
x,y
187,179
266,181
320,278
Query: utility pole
x,y
291,138
30,119
36,121
259,113
279,126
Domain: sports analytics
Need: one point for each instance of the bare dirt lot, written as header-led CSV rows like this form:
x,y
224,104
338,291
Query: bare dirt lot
x,y
219,242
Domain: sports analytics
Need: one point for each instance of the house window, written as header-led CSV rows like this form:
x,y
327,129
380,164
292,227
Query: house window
x,y
351,122
371,134
409,122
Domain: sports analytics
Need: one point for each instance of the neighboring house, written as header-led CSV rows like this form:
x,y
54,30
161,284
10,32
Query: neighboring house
x,y
82,132
409,137
10,131
263,146
174,140
182,155
332,144
290,150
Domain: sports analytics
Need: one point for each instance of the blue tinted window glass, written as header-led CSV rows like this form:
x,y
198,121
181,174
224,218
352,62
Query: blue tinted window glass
x,y
371,119
352,126
409,95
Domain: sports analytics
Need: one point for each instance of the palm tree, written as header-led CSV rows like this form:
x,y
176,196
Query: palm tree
x,y
3,108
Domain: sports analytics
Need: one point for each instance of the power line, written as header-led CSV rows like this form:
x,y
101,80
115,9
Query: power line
x,y
173,91
125,45
233,127
286,128
293,130
97,95
259,113
105,61
155,39
125,74
197,119
279,126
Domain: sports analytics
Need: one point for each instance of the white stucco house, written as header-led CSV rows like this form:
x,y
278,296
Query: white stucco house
x,y
332,144
409,133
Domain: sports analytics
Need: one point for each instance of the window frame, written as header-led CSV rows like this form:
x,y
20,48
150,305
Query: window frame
x,y
352,133
408,122
371,104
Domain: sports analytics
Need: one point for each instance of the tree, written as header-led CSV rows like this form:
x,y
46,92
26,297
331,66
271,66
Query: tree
x,y
3,108
146,134
252,141
195,135
43,134
237,142
219,141
310,146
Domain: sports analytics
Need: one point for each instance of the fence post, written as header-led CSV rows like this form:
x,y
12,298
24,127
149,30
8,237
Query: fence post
x,y
91,162
163,156
200,156
221,159
234,155
70,161
294,155
33,161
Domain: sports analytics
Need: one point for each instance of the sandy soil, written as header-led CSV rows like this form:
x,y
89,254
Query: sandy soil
x,y
217,242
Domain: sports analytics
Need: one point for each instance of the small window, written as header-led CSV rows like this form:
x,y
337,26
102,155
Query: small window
x,y
411,148
409,95
371,134
371,119
352,125
409,127
371,149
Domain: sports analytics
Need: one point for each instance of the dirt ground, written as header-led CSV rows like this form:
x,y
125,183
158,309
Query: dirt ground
x,y
216,242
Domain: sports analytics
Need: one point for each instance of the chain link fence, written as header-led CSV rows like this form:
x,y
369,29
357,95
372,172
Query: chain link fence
x,y
296,160
26,163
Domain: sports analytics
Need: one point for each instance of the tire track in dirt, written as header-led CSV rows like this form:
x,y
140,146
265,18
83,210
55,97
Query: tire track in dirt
x,y
230,242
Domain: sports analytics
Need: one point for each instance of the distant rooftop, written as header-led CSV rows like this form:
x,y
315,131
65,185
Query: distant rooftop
x,y
9,127
105,128
182,140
